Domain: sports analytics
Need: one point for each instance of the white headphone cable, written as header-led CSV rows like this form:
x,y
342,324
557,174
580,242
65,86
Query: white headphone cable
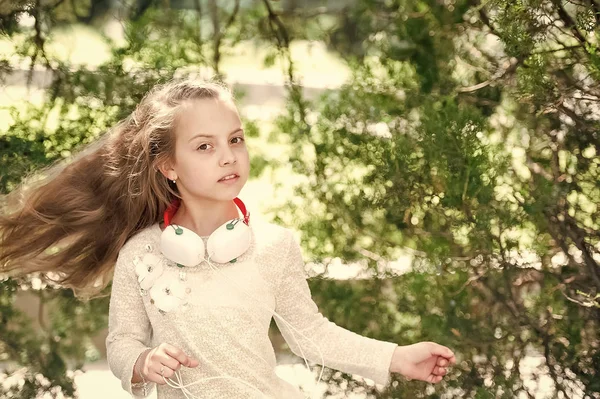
x,y
184,387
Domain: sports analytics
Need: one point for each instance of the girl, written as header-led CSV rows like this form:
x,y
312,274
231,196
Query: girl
x,y
196,282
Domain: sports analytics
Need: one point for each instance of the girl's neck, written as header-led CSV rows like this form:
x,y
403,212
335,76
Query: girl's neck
x,y
204,218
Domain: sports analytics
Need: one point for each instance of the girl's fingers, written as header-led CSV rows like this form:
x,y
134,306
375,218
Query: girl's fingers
x,y
165,371
161,371
164,361
154,373
162,366
446,361
440,350
170,362
180,356
193,362
440,371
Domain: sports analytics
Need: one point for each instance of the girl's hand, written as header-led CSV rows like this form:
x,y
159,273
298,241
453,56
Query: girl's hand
x,y
164,357
425,361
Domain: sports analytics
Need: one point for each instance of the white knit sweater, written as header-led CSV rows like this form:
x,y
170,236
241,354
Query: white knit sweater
x,y
226,321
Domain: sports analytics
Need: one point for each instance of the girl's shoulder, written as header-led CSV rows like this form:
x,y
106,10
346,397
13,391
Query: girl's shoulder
x,y
268,229
270,234
274,243
142,241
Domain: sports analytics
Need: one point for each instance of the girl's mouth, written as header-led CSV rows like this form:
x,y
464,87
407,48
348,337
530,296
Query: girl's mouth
x,y
229,178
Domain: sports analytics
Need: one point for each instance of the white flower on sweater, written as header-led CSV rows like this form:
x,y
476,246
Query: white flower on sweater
x,y
148,270
169,293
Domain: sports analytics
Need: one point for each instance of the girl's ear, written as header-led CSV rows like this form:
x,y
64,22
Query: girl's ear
x,y
166,168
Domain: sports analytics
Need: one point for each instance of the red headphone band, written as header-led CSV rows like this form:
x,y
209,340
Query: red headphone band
x,y
170,212
242,207
172,208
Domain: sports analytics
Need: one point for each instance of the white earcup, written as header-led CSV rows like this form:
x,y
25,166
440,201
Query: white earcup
x,y
229,241
186,249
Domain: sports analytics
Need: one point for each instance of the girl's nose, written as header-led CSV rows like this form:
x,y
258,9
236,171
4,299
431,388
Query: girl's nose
x,y
228,157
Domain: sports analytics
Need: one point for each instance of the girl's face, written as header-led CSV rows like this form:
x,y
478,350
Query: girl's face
x,y
211,159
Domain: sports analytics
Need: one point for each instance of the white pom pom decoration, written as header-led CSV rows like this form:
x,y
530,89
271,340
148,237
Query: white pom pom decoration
x,y
168,294
148,270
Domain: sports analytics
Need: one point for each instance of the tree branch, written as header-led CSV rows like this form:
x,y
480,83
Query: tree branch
x,y
508,71
283,44
568,21
219,31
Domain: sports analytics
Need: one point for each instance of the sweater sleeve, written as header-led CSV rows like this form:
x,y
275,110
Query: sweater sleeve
x,y
315,337
129,329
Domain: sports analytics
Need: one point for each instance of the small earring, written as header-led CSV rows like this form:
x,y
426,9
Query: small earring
x,y
174,181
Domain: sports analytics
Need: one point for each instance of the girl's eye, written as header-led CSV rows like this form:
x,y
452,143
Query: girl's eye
x,y
206,147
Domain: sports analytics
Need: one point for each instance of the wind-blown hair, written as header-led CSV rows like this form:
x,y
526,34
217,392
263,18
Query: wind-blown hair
x,y
71,222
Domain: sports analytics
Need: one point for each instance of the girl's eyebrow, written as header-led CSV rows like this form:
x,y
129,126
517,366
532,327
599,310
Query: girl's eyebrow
x,y
239,129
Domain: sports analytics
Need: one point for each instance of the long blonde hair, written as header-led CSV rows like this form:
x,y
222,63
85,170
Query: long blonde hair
x,y
71,222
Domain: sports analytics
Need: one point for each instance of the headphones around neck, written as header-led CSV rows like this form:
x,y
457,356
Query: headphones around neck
x,y
186,248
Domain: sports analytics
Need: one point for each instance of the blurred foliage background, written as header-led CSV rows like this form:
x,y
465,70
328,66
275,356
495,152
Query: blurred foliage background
x,y
466,138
